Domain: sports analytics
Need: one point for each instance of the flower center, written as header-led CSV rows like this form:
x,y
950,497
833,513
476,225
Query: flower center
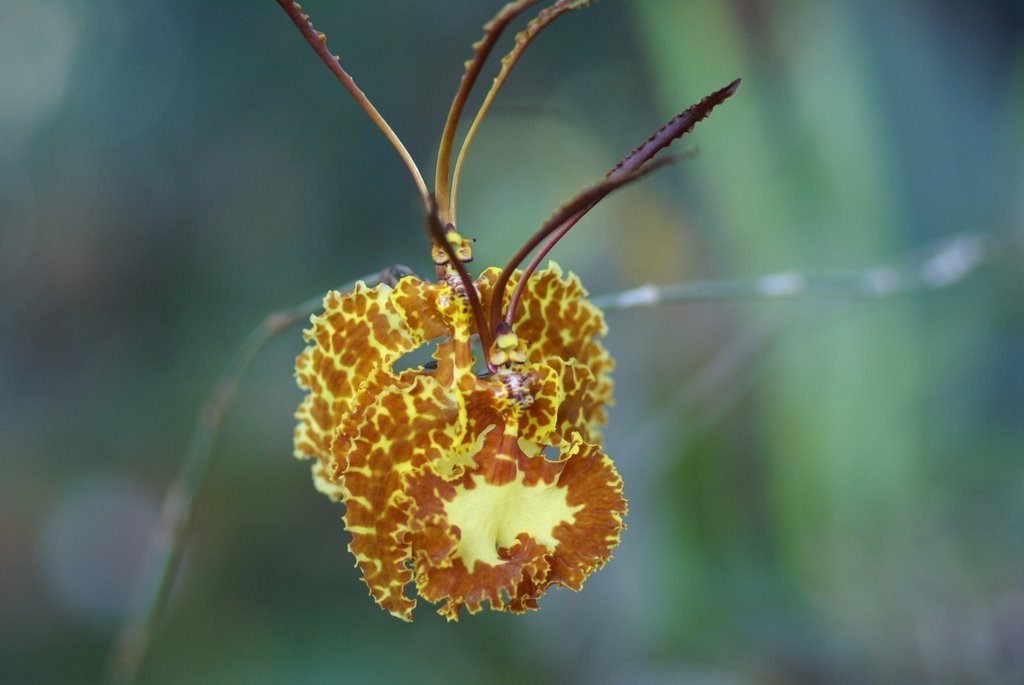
x,y
491,516
507,350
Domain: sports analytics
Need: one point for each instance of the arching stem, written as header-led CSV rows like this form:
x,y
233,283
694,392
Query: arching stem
x,y
586,199
936,267
677,127
481,50
318,41
167,543
523,40
535,263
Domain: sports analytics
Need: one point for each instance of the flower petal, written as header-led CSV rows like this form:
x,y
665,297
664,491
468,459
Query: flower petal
x,y
594,486
379,381
417,302
358,332
488,536
540,419
558,322
554,314
404,429
583,400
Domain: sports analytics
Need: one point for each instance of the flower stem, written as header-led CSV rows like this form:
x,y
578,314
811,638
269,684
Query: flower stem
x,y
481,50
522,41
568,213
167,543
941,267
318,41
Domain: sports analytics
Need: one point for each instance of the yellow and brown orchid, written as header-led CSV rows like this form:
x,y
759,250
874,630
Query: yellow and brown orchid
x,y
444,468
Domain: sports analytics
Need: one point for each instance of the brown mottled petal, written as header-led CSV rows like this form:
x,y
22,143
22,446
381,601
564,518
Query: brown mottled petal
x,y
539,419
485,286
404,429
416,301
584,398
595,487
358,332
370,389
554,316
487,406
558,321
455,361
432,538
455,371
325,482
521,565
507,540
441,574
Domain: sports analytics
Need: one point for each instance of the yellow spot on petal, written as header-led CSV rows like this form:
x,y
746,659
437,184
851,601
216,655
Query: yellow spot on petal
x,y
491,516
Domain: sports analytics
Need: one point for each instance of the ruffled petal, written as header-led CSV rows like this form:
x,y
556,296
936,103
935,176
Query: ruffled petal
x,y
554,314
358,332
539,420
490,537
404,429
558,319
595,491
379,381
583,400
441,471
417,302
558,322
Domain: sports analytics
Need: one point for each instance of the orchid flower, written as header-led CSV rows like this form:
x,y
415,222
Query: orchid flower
x,y
473,480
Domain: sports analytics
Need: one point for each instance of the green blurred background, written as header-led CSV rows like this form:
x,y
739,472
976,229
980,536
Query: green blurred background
x,y
821,491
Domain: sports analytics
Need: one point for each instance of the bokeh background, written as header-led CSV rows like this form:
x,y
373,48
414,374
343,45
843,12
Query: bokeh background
x,y
821,491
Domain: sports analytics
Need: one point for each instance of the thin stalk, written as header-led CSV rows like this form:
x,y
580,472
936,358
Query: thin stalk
x,y
534,263
585,199
677,127
941,267
481,50
523,40
318,41
168,541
